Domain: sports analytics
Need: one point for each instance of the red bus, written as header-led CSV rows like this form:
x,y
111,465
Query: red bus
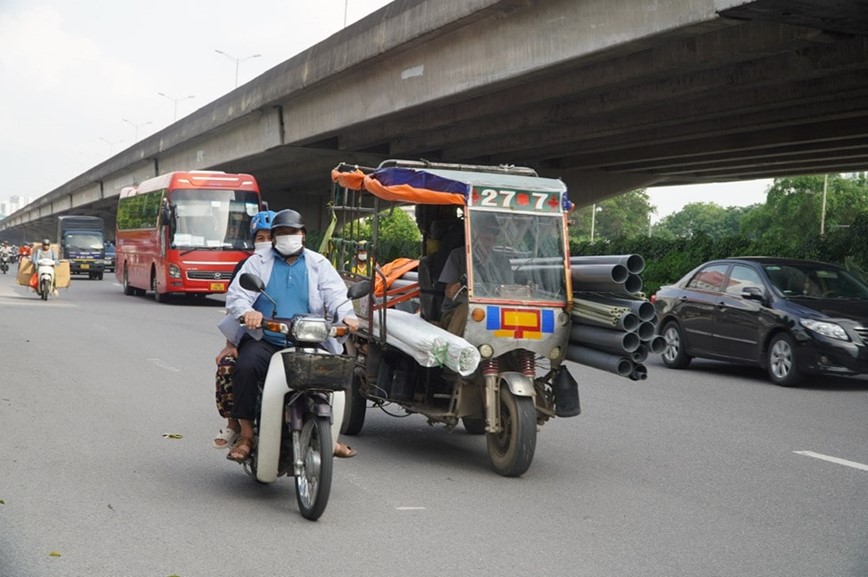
x,y
184,232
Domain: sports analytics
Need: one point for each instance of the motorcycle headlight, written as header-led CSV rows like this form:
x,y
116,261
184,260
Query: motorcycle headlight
x,y
825,328
309,330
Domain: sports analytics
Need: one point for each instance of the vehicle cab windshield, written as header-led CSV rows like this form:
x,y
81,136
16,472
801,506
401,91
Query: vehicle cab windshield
x,y
516,256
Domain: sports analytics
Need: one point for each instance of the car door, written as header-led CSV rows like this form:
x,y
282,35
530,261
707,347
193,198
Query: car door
x,y
697,306
739,321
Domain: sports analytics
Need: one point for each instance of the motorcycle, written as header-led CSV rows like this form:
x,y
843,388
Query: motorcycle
x,y
45,277
294,428
4,262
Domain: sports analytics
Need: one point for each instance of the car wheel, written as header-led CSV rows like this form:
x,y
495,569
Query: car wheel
x,y
674,355
781,361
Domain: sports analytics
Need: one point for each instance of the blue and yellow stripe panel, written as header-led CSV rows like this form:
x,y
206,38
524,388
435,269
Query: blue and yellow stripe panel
x,y
519,323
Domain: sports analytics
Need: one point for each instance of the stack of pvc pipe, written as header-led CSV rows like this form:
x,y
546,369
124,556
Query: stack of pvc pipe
x,y
612,329
428,344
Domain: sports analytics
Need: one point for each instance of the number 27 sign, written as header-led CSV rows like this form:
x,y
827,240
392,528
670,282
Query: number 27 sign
x,y
516,199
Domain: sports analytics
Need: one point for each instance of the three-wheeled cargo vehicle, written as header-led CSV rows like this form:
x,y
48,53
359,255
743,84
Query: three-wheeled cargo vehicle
x,y
476,328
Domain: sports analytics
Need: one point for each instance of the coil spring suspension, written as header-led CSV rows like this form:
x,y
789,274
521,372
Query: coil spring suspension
x,y
527,365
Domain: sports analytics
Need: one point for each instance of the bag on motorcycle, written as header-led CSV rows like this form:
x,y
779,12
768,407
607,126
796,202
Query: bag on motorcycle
x,y
33,281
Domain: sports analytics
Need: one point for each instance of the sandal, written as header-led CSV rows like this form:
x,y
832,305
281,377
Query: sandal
x,y
241,451
225,438
344,451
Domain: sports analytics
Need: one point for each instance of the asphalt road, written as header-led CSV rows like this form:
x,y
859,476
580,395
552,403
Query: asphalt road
x,y
694,473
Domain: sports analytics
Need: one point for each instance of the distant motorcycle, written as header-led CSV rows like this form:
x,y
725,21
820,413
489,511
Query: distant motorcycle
x,y
45,277
4,262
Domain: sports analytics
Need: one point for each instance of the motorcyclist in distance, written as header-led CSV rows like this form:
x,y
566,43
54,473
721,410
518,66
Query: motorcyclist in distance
x,y
45,251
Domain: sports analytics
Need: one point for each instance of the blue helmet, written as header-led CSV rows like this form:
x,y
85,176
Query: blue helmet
x,y
261,221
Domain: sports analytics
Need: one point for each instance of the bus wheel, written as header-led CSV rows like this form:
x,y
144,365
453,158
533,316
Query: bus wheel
x,y
158,296
128,290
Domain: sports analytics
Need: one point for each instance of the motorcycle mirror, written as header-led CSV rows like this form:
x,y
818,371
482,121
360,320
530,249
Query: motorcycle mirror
x,y
359,289
251,282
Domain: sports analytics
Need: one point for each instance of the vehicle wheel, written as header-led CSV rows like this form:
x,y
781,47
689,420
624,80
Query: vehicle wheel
x,y
99,276
313,485
781,361
473,425
354,410
511,451
128,290
158,296
674,355
45,288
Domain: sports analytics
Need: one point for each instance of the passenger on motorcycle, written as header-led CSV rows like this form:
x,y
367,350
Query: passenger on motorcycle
x,y
302,281
6,250
260,229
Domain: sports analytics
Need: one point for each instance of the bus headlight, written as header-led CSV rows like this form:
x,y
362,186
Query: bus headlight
x,y
174,271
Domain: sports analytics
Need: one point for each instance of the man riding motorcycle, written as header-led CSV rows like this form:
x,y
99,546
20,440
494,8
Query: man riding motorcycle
x,y
6,255
303,281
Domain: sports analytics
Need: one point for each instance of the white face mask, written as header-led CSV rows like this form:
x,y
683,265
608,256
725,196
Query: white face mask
x,y
363,256
262,246
289,244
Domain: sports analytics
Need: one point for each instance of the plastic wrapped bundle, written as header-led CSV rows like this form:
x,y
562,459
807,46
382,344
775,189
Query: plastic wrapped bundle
x,y
429,345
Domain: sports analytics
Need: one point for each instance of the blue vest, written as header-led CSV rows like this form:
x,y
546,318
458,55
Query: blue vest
x,y
288,286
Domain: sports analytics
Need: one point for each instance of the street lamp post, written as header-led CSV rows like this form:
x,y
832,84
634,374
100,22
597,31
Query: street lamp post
x,y
238,61
136,126
175,102
111,143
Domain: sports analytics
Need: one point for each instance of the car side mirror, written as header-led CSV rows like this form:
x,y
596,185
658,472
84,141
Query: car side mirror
x,y
753,293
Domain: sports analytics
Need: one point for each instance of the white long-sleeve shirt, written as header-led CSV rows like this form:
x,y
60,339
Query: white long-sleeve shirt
x,y
327,291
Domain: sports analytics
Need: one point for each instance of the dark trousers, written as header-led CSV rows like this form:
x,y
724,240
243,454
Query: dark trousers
x,y
250,370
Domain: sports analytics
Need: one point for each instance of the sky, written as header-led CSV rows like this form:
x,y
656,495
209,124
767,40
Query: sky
x,y
80,79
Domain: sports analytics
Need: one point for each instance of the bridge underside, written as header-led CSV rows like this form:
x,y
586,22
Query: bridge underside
x,y
609,95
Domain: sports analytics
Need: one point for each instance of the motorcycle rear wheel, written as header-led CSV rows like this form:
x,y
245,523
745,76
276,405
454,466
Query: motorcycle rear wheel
x,y
314,484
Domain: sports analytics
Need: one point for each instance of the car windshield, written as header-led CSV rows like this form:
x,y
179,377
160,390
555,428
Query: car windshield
x,y
517,256
815,281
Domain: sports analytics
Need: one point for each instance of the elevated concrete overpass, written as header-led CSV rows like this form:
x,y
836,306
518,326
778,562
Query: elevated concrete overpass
x,y
609,95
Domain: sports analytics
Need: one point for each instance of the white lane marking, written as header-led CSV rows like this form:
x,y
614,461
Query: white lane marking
x,y
836,460
164,365
410,508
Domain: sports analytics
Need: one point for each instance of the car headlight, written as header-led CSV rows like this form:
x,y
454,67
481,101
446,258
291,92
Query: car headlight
x,y
825,328
309,330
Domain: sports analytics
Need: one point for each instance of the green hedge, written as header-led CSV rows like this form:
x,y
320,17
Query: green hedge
x,y
666,261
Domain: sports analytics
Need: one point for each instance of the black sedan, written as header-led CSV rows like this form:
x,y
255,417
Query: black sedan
x,y
792,317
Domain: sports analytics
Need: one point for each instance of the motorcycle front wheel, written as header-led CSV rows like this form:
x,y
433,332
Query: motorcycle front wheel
x,y
314,483
511,451
46,288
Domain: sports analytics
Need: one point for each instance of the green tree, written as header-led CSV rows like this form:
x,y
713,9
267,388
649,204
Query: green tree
x,y
398,235
794,207
707,218
625,215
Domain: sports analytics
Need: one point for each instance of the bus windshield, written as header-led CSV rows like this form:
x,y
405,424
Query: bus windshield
x,y
213,219
517,256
